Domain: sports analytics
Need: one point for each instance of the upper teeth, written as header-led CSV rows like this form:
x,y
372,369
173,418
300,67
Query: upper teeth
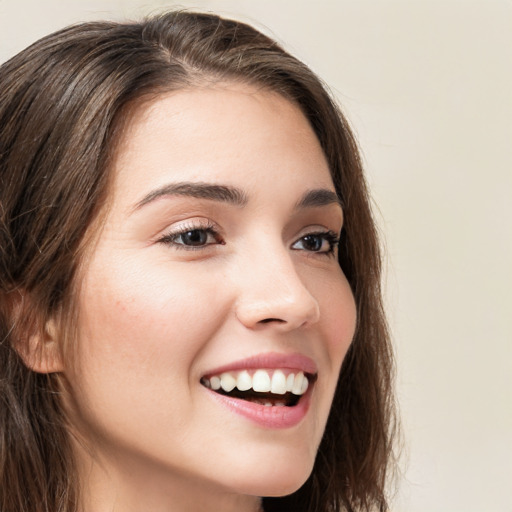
x,y
263,381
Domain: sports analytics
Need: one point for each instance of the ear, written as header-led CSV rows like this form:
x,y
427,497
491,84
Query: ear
x,y
36,341
40,351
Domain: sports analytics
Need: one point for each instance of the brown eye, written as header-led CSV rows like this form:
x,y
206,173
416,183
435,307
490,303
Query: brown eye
x,y
195,237
313,243
192,238
323,243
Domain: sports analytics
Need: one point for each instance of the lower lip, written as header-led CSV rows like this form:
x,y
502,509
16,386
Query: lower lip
x,y
269,417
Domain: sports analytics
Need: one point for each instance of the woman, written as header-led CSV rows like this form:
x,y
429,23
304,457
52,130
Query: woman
x,y
178,309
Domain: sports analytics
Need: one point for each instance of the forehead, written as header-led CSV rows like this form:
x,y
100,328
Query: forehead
x,y
227,133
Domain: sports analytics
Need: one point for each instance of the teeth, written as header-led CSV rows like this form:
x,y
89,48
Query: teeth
x,y
227,382
297,384
289,382
215,383
262,381
244,381
305,384
278,385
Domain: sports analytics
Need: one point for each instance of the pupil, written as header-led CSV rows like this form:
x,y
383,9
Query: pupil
x,y
313,243
194,237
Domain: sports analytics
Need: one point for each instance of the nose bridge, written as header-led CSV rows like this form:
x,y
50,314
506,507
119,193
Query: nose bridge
x,y
271,290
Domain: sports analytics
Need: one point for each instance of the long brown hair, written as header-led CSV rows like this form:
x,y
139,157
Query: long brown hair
x,y
62,101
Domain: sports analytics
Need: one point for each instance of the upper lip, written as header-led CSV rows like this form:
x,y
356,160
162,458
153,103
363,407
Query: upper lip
x,y
269,360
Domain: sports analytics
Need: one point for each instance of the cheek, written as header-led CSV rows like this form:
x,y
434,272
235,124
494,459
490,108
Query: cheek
x,y
338,311
126,305
140,332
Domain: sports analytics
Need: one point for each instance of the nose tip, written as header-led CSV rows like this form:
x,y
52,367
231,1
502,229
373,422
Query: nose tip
x,y
284,307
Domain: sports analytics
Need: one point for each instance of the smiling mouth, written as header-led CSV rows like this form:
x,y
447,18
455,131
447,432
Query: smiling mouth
x,y
271,388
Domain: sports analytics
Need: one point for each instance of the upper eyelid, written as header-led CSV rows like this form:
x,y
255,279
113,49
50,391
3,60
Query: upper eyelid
x,y
210,227
318,229
190,225
331,236
169,238
204,223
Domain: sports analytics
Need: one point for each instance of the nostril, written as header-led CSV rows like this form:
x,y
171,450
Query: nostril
x,y
267,320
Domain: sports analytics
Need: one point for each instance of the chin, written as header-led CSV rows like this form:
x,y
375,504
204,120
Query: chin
x,y
279,479
284,488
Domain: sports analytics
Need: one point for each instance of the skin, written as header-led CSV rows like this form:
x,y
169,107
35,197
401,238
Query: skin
x,y
155,316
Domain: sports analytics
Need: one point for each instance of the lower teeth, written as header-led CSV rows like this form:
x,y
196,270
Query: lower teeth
x,y
266,403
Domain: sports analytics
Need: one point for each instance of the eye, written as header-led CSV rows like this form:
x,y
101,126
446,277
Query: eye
x,y
323,242
192,237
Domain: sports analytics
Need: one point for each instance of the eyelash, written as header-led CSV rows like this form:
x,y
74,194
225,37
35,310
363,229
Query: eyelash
x,y
171,238
209,229
329,236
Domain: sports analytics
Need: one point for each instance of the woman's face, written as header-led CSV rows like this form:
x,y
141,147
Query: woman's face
x,y
216,266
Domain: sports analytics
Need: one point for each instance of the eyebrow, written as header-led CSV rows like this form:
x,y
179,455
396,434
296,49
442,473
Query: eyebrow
x,y
318,197
233,195
199,190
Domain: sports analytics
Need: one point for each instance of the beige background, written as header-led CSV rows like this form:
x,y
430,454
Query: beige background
x,y
428,88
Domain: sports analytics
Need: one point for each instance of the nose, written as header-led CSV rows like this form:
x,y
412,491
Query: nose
x,y
271,291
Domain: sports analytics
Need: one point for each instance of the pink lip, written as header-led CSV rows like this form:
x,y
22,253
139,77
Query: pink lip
x,y
268,417
268,361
